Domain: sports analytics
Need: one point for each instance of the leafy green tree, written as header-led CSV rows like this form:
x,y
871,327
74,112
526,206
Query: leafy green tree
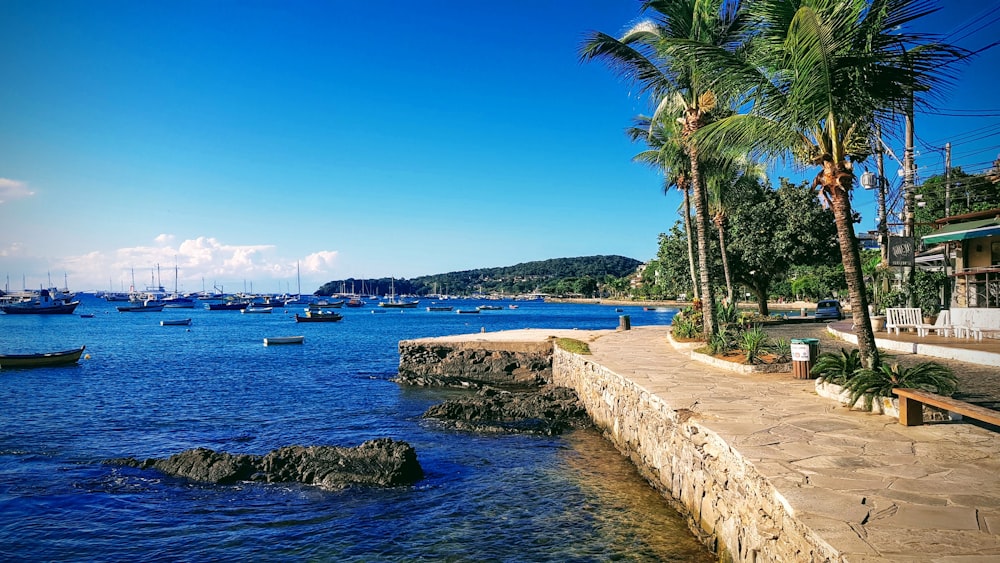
x,y
967,193
773,230
817,77
671,260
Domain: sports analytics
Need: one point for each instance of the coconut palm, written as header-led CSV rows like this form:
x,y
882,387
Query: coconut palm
x,y
667,156
646,55
726,181
817,76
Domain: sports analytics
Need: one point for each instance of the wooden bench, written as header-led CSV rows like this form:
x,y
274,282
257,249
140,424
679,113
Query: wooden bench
x,y
902,317
912,401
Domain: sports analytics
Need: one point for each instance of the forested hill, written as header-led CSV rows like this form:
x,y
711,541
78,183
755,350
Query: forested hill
x,y
555,276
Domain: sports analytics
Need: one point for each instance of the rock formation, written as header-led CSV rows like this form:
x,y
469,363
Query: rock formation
x,y
550,410
471,365
381,462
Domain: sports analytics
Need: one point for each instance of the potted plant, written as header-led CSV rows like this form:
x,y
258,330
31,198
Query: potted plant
x,y
927,294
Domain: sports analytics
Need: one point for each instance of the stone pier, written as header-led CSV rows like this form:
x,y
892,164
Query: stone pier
x,y
767,470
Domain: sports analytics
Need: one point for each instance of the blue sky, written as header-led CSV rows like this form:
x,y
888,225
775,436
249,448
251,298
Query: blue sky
x,y
357,139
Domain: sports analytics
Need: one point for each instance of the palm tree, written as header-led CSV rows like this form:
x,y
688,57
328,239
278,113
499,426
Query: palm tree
x,y
816,77
647,55
667,156
726,181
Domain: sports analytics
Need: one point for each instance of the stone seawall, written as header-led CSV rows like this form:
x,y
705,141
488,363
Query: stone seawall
x,y
737,511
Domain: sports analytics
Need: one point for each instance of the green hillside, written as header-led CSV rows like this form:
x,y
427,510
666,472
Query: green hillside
x,y
555,276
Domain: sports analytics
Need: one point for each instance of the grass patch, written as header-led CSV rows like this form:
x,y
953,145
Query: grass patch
x,y
573,346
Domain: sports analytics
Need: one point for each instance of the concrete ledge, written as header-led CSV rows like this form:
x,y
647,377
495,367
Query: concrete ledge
x,y
723,364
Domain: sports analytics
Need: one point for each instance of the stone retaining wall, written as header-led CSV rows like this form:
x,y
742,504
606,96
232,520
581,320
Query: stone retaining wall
x,y
736,511
423,362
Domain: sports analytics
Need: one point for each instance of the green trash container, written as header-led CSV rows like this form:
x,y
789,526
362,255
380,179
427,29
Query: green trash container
x,y
804,353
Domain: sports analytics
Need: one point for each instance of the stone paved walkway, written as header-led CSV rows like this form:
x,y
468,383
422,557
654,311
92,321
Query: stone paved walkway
x,y
873,489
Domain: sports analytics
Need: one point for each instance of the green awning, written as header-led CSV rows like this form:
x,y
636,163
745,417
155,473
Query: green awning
x,y
965,231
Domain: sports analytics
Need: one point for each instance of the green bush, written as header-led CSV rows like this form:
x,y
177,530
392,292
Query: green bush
x,y
722,342
871,383
726,313
753,344
688,324
836,368
782,348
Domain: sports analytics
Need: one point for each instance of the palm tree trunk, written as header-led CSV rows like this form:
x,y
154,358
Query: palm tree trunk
x,y
850,255
701,225
725,259
687,228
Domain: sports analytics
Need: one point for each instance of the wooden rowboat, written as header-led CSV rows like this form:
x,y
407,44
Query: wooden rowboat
x,y
283,340
8,361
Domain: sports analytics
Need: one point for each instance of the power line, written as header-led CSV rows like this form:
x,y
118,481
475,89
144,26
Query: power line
x,y
972,21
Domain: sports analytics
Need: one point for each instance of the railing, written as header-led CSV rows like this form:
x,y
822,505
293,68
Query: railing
x,y
977,288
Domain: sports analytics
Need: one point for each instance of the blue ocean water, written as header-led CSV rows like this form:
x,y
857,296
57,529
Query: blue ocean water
x,y
152,391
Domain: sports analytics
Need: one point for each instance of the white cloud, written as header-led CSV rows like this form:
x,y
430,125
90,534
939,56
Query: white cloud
x,y
320,262
12,249
13,189
199,260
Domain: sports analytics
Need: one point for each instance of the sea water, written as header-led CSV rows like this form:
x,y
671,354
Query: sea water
x,y
152,391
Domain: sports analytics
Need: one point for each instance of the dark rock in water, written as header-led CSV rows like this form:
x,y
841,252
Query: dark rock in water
x,y
551,410
382,462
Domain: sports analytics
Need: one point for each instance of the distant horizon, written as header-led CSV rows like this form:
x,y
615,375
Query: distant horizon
x,y
140,285
244,142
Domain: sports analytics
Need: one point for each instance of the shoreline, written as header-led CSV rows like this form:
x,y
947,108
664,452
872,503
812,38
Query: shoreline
x,y
771,305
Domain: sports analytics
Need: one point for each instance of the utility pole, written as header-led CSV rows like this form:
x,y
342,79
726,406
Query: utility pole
x,y
908,187
883,229
947,179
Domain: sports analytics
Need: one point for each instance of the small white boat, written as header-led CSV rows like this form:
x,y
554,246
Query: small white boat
x,y
284,340
177,322
249,310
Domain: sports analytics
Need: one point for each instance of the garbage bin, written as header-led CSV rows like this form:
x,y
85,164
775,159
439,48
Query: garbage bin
x,y
804,353
624,322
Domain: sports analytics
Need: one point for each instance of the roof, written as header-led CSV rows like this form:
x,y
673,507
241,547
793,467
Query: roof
x,y
965,231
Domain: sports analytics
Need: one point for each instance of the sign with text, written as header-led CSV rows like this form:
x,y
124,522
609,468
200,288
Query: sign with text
x,y
901,251
800,352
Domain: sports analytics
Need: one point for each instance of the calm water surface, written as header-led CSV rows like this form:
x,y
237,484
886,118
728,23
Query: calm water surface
x,y
152,391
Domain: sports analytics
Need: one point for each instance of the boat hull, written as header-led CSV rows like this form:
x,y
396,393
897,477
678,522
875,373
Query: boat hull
x,y
284,340
404,305
180,322
65,309
227,306
324,318
140,308
17,361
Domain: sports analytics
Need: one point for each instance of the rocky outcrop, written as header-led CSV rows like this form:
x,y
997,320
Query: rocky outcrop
x,y
550,410
382,462
470,364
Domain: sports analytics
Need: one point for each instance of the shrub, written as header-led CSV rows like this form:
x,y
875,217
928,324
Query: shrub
x,y
721,343
782,348
727,313
753,343
836,368
687,324
879,382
